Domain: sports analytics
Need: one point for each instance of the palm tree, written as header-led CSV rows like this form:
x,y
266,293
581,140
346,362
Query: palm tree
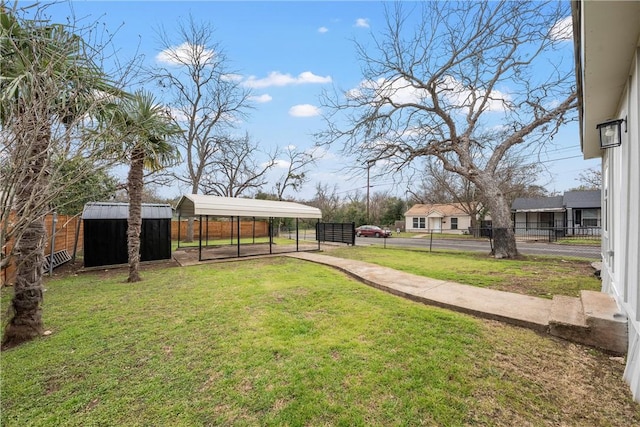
x,y
47,83
143,132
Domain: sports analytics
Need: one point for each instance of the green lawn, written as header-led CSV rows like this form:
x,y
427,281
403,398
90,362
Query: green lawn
x,y
579,241
283,342
531,275
243,241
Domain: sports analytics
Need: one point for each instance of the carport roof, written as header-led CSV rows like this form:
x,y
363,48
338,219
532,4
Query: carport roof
x,y
198,204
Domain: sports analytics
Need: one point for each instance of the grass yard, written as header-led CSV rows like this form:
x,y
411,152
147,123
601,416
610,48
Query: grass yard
x,y
283,342
531,275
579,241
227,242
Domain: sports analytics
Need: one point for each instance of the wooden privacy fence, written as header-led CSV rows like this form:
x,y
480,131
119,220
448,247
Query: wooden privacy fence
x,y
220,229
66,229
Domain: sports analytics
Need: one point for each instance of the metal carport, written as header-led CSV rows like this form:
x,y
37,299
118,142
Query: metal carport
x,y
198,205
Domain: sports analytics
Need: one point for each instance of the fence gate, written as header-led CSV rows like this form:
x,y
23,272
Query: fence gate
x,y
336,232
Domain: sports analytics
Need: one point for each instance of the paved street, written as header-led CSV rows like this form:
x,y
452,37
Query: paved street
x,y
528,248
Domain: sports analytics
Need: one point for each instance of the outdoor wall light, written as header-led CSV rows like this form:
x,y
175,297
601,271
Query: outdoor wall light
x,y
611,133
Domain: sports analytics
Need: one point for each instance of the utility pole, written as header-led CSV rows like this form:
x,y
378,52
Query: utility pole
x,y
369,163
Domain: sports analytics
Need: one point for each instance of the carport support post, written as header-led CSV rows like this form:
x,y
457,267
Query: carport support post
x,y
206,238
179,227
318,232
297,234
253,232
270,234
238,219
231,231
200,238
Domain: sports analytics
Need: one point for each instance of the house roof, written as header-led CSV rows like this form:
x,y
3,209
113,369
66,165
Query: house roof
x,y
571,199
453,209
606,34
112,210
538,204
582,199
198,204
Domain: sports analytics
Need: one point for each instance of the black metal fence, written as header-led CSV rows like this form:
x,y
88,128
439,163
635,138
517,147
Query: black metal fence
x,y
336,232
542,233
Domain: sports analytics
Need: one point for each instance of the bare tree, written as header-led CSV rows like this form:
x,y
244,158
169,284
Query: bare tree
x,y
440,186
52,86
590,179
234,170
295,177
205,97
470,83
327,200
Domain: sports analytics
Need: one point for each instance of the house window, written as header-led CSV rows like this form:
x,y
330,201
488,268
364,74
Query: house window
x,y
589,218
454,223
418,223
546,219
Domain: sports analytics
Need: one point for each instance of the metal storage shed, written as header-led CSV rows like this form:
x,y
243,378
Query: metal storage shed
x,y
105,233
198,205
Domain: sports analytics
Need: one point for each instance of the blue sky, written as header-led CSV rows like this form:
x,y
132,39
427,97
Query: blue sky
x,y
287,53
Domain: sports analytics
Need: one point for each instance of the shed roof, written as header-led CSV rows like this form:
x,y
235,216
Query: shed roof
x,y
198,204
112,210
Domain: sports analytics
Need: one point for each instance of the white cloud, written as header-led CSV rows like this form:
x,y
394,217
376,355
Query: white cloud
x,y
178,115
321,153
262,99
304,110
232,77
562,30
186,53
275,78
362,23
290,147
459,95
323,30
281,164
400,91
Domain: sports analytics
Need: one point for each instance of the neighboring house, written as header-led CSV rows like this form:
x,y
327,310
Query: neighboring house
x,y
575,213
444,218
607,50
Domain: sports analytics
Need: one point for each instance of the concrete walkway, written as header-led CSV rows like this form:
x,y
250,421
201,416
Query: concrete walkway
x,y
592,319
521,310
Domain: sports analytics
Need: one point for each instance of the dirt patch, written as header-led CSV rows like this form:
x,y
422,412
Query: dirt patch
x,y
563,278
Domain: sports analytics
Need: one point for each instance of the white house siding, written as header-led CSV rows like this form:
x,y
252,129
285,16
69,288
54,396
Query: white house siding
x,y
621,214
438,224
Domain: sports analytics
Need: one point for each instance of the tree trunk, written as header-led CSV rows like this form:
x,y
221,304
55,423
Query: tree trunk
x,y
190,221
26,305
189,237
504,240
134,183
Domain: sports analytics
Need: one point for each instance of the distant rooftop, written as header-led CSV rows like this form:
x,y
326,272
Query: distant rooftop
x,y
587,199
